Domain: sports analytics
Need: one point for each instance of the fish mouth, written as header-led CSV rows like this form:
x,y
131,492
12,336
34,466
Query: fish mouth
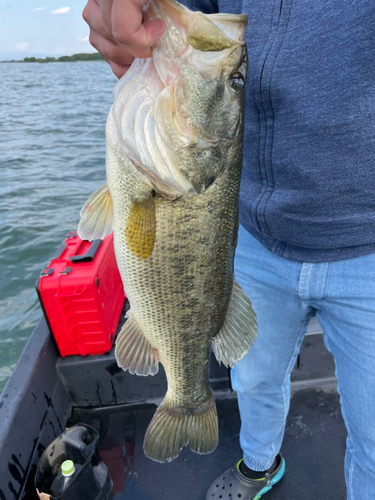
x,y
155,123
198,42
205,32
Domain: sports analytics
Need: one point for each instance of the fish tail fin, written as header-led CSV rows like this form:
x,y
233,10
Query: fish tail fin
x,y
174,427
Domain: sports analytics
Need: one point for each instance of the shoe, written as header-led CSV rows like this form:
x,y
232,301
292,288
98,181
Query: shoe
x,y
232,485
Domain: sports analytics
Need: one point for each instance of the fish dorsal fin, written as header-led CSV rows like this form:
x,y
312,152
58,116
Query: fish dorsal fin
x,y
96,215
133,351
141,227
239,330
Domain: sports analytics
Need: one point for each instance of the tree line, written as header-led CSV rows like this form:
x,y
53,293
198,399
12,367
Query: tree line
x,y
75,57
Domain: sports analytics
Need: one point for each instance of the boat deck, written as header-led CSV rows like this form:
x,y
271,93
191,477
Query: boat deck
x,y
314,448
46,393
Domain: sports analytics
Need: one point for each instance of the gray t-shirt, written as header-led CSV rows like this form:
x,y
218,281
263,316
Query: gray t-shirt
x,y
308,184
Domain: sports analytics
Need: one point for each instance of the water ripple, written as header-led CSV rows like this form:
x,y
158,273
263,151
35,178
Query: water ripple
x,y
52,155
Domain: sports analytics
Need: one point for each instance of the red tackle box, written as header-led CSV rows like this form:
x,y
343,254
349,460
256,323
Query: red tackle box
x,y
82,295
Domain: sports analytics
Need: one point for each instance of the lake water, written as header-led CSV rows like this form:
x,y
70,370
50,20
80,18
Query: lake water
x,y
52,154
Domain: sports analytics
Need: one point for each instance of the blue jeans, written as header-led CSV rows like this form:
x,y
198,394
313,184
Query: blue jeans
x,y
285,295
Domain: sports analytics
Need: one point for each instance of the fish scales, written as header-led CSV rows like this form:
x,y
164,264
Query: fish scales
x,y
182,287
174,157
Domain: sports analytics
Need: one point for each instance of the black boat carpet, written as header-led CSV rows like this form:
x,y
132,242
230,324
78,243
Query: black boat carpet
x,y
314,448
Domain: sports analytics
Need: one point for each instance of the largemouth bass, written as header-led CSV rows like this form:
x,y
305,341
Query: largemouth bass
x,y
174,157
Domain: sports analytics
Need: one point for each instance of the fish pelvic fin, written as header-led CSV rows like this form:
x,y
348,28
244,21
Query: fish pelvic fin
x,y
133,351
173,427
141,227
96,215
239,330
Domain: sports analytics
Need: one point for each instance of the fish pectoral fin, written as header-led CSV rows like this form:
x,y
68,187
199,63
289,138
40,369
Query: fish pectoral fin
x,y
239,330
96,215
173,427
133,351
141,227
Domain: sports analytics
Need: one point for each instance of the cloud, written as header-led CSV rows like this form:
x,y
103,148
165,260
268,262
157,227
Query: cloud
x,y
21,46
84,39
38,8
62,10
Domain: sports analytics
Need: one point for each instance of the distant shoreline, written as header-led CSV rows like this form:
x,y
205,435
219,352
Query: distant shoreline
x,y
75,57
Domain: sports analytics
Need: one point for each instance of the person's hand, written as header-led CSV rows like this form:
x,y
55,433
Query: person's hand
x,y
120,32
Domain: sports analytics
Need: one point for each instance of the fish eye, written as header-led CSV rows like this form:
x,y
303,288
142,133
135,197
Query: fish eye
x,y
237,82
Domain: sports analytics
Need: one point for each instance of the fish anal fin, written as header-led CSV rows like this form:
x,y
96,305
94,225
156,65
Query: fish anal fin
x,y
96,215
133,351
141,227
172,428
239,330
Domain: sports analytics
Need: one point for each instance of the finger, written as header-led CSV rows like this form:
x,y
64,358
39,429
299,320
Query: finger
x,y
106,14
93,17
111,52
118,69
127,27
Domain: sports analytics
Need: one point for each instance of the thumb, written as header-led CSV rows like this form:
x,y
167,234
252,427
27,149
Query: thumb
x,y
148,33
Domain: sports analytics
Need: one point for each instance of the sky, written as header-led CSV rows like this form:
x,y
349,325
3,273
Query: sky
x,y
43,27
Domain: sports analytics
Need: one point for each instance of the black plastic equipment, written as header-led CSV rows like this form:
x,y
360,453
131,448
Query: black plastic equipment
x,y
92,481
